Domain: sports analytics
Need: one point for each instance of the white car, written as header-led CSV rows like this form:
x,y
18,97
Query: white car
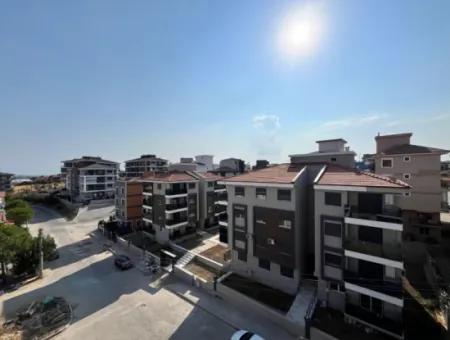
x,y
245,335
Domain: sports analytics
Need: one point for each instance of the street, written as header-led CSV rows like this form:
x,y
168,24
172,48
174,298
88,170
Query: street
x,y
112,304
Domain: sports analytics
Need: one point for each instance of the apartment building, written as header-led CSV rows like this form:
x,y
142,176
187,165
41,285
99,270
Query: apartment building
x,y
5,181
212,200
90,178
265,225
207,160
2,207
188,164
235,164
170,204
128,201
358,241
420,167
146,163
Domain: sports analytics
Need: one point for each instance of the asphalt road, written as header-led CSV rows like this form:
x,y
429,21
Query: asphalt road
x,y
113,304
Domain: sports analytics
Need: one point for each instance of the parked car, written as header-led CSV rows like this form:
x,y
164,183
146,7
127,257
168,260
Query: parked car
x,y
245,335
123,262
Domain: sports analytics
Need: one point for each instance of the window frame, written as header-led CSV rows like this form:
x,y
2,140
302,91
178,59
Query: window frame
x,y
327,202
284,199
335,223
387,159
261,196
406,159
236,188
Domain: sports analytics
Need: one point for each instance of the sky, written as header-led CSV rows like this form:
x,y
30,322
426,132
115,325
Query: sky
x,y
253,79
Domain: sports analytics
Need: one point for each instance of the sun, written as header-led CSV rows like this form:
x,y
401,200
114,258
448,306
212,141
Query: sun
x,y
301,30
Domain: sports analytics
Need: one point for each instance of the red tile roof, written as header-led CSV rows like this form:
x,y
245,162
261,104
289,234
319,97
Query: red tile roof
x,y
335,175
284,173
170,176
210,176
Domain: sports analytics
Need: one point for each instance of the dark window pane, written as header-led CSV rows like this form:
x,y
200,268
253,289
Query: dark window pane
x,y
333,260
333,229
261,192
286,271
242,256
239,191
365,301
369,234
191,185
284,195
263,263
333,198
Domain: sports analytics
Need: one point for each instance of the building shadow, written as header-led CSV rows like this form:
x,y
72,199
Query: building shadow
x,y
87,290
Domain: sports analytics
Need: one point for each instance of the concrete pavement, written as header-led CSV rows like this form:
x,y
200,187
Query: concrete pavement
x,y
111,304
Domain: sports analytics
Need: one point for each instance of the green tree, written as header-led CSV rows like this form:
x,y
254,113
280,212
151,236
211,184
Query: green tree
x,y
14,241
12,203
19,215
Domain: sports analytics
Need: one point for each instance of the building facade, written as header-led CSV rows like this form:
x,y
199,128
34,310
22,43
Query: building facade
x,y
128,202
170,204
5,181
90,178
146,163
358,241
420,167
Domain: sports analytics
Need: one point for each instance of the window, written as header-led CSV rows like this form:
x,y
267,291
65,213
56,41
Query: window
x,y
263,263
406,176
333,198
286,224
333,159
159,186
333,229
210,184
365,301
372,304
386,162
192,185
333,260
284,195
286,271
239,191
261,193
406,159
424,231
388,199
407,194
242,256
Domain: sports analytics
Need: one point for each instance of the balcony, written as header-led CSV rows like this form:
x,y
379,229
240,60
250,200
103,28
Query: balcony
x,y
381,323
223,220
148,202
176,207
389,288
148,217
378,220
220,187
391,251
176,191
222,196
219,210
177,222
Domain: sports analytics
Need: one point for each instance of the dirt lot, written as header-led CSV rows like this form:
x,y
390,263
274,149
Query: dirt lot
x,y
218,253
201,270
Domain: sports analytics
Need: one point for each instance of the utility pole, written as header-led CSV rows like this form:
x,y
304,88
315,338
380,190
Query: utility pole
x,y
41,256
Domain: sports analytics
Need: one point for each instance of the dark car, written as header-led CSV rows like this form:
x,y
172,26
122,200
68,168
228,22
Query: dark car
x,y
123,262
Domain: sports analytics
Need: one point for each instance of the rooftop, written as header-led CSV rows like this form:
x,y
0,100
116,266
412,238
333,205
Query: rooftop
x,y
336,175
147,157
332,140
90,158
284,173
412,149
323,153
208,176
170,176
406,134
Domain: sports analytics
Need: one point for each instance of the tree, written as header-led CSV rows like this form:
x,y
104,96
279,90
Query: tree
x,y
14,242
15,203
19,215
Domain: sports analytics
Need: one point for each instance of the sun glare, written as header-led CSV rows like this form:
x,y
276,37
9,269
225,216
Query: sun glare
x,y
301,30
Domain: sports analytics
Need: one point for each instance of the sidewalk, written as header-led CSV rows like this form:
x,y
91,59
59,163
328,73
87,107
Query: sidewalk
x,y
236,317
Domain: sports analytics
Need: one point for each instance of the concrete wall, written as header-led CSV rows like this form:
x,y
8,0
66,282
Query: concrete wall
x,y
239,300
317,334
250,268
346,160
424,181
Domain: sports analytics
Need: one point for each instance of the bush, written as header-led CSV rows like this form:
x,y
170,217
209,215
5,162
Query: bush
x,y
19,215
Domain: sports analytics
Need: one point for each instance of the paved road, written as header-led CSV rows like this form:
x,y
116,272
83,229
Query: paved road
x,y
110,304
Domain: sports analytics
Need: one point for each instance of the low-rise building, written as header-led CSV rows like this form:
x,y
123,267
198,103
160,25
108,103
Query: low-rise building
x,y
420,167
207,160
146,163
358,241
170,204
90,178
260,164
2,207
235,164
5,181
128,201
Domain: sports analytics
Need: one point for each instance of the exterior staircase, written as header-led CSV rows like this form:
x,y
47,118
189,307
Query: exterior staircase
x,y
185,259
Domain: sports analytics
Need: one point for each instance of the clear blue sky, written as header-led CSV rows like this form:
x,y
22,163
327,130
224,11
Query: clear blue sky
x,y
179,78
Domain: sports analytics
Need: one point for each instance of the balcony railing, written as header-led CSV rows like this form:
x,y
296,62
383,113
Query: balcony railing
x,y
176,206
220,209
219,186
176,221
221,196
380,322
389,216
177,191
148,216
388,251
391,288
148,202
